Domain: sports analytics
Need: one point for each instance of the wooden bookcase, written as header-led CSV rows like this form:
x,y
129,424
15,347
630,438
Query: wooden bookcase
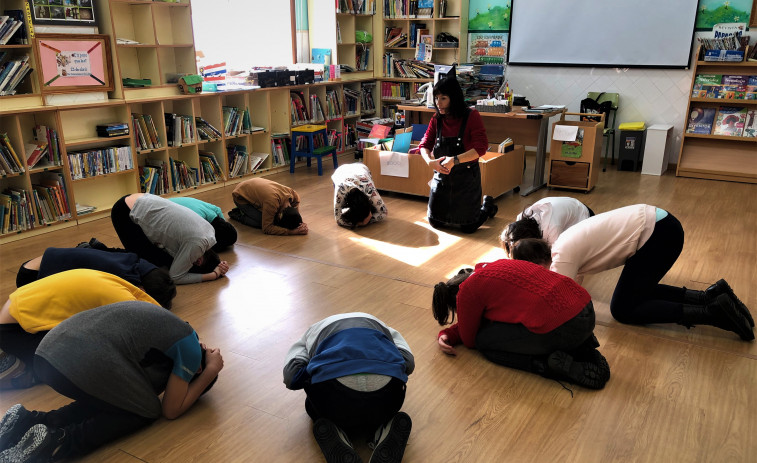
x,y
336,31
28,91
451,23
715,156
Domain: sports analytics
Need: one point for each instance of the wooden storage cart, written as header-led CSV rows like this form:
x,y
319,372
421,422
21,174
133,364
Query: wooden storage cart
x,y
577,172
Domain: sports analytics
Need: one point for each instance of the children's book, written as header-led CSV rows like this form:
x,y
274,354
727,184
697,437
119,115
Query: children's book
x,y
730,121
700,120
750,126
751,88
707,86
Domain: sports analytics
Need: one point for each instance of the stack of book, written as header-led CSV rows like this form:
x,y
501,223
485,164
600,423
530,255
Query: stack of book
x,y
12,30
210,170
10,163
351,97
333,105
145,133
112,129
205,130
182,175
394,37
12,72
238,158
82,209
236,121
362,58
16,210
153,177
506,146
279,151
298,108
367,106
335,139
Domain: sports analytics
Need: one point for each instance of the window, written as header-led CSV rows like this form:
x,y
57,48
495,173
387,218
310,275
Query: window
x,y
244,33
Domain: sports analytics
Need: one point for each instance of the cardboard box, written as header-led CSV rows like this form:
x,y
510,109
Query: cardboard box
x,y
500,173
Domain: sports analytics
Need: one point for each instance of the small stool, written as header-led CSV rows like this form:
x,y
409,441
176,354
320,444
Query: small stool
x,y
311,131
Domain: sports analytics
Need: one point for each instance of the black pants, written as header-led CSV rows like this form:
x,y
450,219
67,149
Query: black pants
x,y
15,341
639,298
134,239
513,345
89,423
354,410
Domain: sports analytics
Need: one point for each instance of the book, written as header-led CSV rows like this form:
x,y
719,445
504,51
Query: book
x,y
729,121
700,120
750,125
706,85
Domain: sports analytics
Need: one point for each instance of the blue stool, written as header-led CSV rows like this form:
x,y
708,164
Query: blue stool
x,y
310,131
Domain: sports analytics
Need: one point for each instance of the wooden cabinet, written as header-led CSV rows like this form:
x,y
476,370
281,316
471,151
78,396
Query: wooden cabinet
x,y
576,166
718,157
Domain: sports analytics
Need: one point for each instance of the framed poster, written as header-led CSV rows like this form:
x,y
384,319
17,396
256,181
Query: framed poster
x,y
63,12
71,63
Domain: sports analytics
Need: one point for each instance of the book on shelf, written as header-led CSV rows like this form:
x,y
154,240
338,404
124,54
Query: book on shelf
x,y
10,156
99,161
82,209
112,129
505,146
211,169
205,129
751,87
316,109
750,125
729,121
701,120
35,152
279,151
12,28
12,74
425,9
298,108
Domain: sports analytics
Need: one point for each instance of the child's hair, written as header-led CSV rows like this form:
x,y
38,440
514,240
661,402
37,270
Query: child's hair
x,y
159,285
226,234
209,262
288,218
526,227
444,300
534,250
26,276
356,207
202,364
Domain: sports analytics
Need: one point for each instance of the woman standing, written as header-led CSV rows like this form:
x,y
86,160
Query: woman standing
x,y
451,146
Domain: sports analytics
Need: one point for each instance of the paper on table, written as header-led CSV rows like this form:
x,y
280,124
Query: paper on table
x,y
394,164
565,132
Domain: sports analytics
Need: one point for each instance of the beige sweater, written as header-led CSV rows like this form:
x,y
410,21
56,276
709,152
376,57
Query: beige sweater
x,y
602,242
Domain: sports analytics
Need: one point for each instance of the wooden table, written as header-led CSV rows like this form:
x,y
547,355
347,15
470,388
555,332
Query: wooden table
x,y
524,130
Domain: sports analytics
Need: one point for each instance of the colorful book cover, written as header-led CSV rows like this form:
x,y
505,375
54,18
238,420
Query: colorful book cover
x,y
734,80
734,92
730,121
700,120
708,79
750,126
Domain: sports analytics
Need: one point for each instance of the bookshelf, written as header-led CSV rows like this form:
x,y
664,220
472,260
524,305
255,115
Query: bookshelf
x,y
28,91
335,29
392,16
718,157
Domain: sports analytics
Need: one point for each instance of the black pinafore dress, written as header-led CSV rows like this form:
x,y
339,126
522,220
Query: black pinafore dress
x,y
455,198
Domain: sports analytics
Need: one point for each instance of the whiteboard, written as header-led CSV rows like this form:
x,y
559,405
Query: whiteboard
x,y
630,33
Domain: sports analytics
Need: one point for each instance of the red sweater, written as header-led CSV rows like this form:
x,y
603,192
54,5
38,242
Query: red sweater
x,y
473,138
514,291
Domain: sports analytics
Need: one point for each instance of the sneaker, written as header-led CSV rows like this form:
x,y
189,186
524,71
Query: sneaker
x,y
334,443
10,368
15,423
592,374
390,440
722,287
37,445
94,243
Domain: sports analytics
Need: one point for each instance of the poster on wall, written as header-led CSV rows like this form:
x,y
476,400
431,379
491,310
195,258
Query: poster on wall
x,y
712,12
489,15
62,12
74,63
487,47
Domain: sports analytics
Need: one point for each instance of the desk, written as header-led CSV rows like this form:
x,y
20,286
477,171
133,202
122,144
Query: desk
x,y
499,126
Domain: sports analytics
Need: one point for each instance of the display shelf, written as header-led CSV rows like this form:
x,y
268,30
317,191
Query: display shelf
x,y
718,157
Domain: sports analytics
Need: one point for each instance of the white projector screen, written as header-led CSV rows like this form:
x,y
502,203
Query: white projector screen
x,y
625,33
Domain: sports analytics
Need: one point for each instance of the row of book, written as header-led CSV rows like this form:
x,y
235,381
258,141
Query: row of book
x,y
99,161
153,177
394,37
245,163
298,108
737,87
351,99
367,105
279,151
335,139
145,133
12,72
12,28
394,66
236,121
725,120
46,203
362,58
179,129
112,129
400,91
183,176
10,163
210,170
333,104
356,6
45,148
394,9
316,109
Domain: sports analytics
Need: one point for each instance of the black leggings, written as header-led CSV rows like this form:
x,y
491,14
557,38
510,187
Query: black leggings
x,y
134,239
639,298
514,346
354,410
89,422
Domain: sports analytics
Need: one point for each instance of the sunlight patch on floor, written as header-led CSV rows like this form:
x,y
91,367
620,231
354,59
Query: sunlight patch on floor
x,y
410,255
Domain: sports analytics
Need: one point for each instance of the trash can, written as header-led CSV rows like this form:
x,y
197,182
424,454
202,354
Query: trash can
x,y
657,145
631,149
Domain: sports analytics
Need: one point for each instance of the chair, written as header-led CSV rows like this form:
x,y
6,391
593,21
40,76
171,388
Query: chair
x,y
312,133
609,131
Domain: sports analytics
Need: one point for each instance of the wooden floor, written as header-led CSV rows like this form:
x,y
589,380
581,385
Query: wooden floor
x,y
675,394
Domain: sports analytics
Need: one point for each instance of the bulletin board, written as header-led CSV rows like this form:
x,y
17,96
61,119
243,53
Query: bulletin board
x,y
71,63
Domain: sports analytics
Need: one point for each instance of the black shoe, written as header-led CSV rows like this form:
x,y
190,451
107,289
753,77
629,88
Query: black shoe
x,y
591,374
334,443
390,440
83,244
36,445
722,287
721,313
95,244
235,214
15,423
